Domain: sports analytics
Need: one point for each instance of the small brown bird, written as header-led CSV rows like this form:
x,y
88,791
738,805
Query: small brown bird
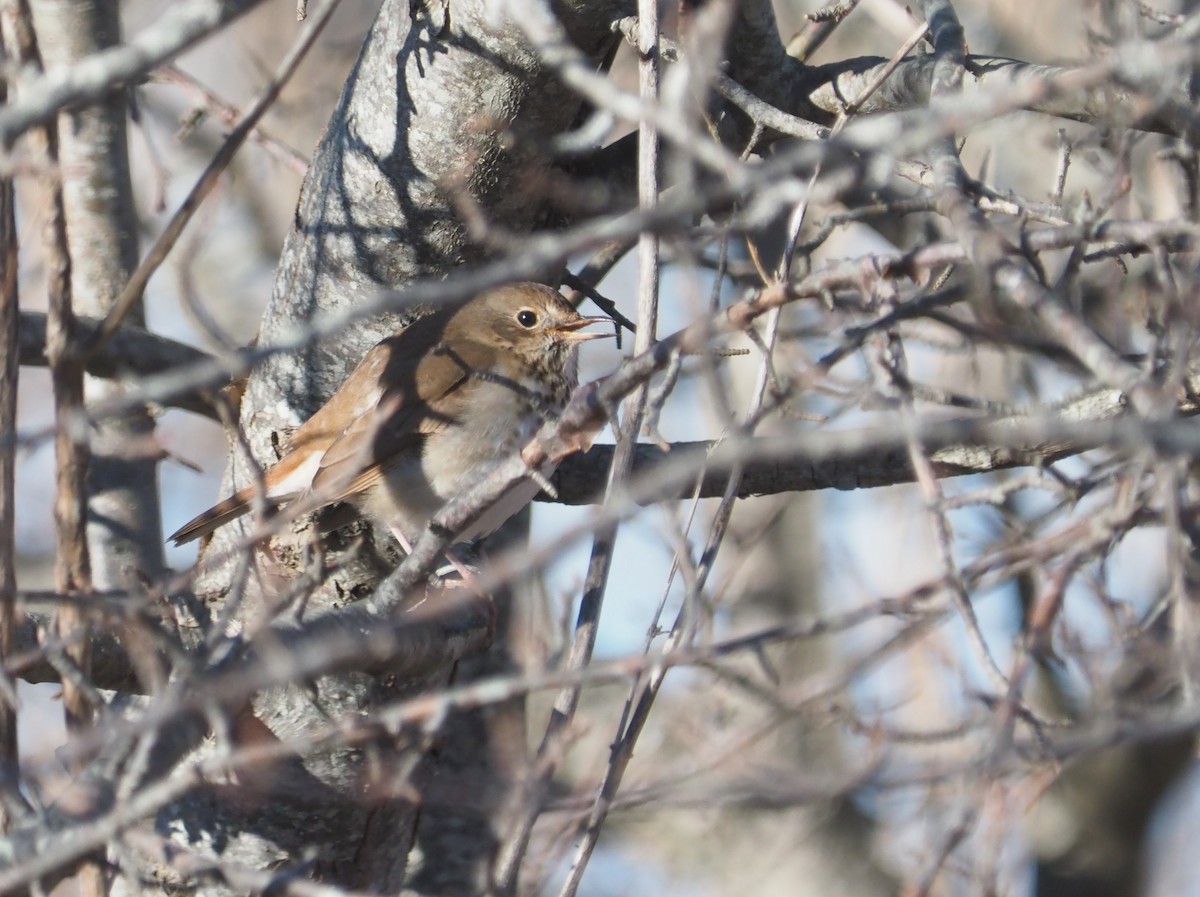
x,y
426,411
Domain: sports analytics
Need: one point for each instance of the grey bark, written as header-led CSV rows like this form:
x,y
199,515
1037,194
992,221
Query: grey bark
x,y
124,525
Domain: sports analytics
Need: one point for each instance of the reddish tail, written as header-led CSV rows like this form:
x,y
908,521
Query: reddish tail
x,y
216,516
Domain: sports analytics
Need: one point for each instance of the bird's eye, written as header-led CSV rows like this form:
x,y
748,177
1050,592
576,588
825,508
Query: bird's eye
x,y
526,318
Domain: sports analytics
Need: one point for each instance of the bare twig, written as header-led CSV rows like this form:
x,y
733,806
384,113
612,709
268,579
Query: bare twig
x,y
11,800
178,28
133,290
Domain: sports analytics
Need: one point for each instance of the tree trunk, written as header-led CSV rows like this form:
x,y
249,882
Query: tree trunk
x,y
441,100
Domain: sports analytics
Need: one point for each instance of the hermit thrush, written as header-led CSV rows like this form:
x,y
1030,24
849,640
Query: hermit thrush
x,y
426,411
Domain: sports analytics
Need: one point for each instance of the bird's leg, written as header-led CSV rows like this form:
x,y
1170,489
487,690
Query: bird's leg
x,y
399,536
464,570
467,574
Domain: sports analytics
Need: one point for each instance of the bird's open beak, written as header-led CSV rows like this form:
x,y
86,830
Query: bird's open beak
x,y
572,331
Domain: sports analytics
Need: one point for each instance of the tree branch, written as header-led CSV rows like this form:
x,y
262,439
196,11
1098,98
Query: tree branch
x,y
88,80
1110,102
131,352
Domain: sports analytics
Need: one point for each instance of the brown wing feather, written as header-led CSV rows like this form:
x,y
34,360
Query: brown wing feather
x,y
379,383
358,395
405,415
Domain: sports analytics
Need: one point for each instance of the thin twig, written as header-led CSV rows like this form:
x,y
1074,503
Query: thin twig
x,y
204,185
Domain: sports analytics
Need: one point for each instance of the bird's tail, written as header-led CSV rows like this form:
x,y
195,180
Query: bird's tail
x,y
216,516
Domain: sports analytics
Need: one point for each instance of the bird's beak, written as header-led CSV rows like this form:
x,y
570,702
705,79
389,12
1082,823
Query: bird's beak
x,y
571,331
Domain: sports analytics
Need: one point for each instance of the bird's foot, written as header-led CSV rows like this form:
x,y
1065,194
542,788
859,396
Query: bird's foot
x,y
459,572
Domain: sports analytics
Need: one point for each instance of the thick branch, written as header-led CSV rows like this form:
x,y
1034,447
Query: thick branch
x,y
130,352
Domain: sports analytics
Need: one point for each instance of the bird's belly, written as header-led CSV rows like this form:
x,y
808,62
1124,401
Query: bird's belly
x,y
455,454
452,460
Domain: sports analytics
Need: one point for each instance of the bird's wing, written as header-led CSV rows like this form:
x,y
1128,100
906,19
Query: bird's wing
x,y
356,398
406,412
